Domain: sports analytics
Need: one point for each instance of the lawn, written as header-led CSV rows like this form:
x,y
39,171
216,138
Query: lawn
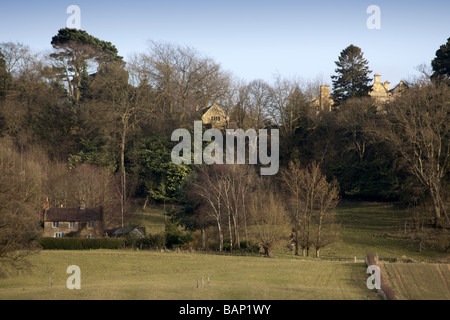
x,y
363,225
112,274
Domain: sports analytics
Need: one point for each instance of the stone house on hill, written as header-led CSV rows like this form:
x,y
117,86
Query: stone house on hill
x,y
323,103
381,91
215,117
73,222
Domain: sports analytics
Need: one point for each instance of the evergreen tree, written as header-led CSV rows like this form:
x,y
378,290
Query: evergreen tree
x,y
352,74
441,63
78,55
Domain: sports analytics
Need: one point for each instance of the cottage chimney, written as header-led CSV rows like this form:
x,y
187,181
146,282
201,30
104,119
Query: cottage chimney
x,y
46,204
387,85
324,99
377,78
45,207
102,218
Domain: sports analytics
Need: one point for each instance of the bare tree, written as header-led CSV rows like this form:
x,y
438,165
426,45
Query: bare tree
x,y
18,58
85,185
289,106
258,99
327,198
183,78
269,218
210,191
123,108
311,199
417,128
355,116
226,190
21,182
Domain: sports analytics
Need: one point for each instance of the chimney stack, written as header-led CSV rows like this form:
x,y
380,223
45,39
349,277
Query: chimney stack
x,y
324,99
377,78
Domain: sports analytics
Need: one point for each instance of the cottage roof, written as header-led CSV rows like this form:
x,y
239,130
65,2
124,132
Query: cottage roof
x,y
73,215
128,229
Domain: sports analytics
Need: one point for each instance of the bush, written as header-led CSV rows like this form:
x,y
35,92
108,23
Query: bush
x,y
81,243
150,241
175,237
243,247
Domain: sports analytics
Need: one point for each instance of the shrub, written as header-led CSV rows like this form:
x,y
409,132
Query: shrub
x,y
175,237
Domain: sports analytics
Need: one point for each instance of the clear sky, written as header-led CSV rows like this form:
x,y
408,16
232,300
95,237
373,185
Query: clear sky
x,y
252,39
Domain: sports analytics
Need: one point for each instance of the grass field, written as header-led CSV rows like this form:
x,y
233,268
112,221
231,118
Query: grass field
x,y
419,281
111,274
129,274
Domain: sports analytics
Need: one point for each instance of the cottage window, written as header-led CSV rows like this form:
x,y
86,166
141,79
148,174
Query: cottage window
x,y
55,224
71,224
90,224
90,236
59,234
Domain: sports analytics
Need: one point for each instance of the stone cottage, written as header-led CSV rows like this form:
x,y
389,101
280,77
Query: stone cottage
x,y
73,222
215,117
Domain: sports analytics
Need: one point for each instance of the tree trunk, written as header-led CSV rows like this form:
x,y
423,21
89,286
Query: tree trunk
x,y
203,235
123,181
220,236
267,251
230,231
296,241
438,206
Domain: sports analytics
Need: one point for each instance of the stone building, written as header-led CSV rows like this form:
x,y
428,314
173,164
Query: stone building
x,y
381,91
73,222
215,117
323,103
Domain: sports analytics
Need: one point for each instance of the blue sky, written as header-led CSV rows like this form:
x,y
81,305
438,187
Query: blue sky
x,y
252,39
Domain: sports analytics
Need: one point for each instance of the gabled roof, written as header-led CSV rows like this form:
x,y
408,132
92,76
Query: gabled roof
x,y
73,215
213,106
128,229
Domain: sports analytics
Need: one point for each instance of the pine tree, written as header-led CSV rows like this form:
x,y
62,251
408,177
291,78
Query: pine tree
x,y
441,63
352,74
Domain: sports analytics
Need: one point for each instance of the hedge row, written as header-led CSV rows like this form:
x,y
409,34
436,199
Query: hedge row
x,y
150,241
81,243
